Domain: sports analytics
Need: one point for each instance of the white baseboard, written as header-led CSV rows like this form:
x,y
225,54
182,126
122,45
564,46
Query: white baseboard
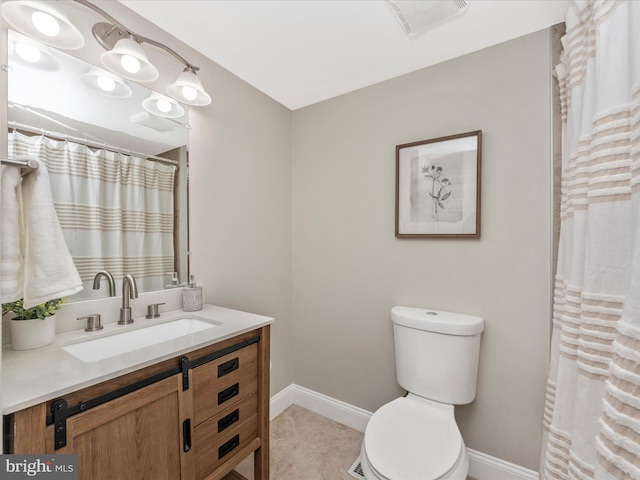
x,y
280,401
481,466
336,410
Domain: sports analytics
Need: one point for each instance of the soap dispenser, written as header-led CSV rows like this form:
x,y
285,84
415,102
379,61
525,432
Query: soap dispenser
x,y
174,280
191,296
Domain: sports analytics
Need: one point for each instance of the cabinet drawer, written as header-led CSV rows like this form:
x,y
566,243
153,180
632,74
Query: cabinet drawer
x,y
222,382
235,415
212,448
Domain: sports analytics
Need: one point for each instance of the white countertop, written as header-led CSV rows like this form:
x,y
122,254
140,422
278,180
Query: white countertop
x,y
34,376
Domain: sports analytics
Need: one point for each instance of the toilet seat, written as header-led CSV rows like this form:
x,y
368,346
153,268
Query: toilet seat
x,y
413,439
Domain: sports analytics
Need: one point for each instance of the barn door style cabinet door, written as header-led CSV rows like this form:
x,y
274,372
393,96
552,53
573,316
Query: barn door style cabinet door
x,y
194,417
135,436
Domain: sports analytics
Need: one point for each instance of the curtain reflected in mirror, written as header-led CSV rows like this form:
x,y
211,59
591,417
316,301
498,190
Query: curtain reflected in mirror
x,y
116,210
118,171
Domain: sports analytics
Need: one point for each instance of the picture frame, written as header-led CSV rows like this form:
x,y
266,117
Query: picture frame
x,y
438,187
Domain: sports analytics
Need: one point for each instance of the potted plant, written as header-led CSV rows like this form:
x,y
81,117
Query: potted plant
x,y
32,327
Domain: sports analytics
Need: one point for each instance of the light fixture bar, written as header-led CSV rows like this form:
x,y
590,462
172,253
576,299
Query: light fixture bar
x,y
103,34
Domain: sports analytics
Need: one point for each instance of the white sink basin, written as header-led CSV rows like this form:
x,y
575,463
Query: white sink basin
x,y
130,340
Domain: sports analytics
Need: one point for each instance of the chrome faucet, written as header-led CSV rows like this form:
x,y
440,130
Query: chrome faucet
x,y
129,290
110,282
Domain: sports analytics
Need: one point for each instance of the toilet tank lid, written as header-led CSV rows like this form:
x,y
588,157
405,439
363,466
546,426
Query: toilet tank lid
x,y
437,321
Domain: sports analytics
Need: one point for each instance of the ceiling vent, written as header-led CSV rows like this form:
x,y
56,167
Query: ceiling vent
x,y
160,124
420,16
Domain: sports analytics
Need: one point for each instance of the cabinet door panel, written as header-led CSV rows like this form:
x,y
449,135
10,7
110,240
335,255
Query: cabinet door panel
x,y
136,436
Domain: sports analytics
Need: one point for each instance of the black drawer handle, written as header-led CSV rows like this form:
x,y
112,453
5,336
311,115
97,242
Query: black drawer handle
x,y
228,393
186,435
229,420
228,367
225,448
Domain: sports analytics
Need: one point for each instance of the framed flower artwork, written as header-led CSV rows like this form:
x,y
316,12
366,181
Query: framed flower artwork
x,y
438,187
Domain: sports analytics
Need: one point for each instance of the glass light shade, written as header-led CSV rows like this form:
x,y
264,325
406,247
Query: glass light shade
x,y
162,106
105,83
188,89
46,24
39,20
127,59
29,53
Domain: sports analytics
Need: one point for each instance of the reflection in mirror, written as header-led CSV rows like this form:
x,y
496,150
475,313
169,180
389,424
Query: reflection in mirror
x,y
116,153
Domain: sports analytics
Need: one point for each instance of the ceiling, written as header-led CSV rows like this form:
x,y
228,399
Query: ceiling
x,y
300,52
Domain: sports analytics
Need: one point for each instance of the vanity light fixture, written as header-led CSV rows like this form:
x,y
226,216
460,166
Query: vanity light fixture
x,y
124,56
127,59
188,89
124,53
106,83
162,106
29,53
40,21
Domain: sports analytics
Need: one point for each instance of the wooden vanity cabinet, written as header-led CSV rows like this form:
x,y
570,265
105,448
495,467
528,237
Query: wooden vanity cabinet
x,y
194,417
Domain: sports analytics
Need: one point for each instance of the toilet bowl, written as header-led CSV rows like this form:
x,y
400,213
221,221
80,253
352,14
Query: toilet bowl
x,y
415,437
412,438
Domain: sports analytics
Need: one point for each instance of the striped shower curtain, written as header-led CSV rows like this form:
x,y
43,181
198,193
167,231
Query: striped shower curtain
x,y
592,410
116,210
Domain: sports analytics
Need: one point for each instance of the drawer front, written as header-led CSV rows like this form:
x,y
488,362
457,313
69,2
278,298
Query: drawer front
x,y
236,414
212,449
221,383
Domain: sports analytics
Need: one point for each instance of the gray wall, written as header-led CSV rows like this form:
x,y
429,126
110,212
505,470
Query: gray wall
x,y
240,181
349,269
240,210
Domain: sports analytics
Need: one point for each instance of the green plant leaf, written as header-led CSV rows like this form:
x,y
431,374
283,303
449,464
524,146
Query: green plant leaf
x,y
41,311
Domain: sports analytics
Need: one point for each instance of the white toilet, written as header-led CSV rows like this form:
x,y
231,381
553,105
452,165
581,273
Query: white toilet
x,y
415,437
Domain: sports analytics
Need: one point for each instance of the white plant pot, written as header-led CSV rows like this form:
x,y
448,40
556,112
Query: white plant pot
x,y
35,333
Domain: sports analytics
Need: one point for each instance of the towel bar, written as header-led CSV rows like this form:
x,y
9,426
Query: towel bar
x,y
27,165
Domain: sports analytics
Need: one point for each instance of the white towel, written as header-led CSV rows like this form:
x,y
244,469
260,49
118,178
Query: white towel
x,y
11,237
49,271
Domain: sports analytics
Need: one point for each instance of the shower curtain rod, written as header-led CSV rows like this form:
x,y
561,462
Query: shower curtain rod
x,y
88,143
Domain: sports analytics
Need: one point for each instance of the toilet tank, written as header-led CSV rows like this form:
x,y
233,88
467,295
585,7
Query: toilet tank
x,y
437,353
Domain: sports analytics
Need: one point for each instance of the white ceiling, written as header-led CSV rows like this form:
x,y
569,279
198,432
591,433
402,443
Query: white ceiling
x,y
300,52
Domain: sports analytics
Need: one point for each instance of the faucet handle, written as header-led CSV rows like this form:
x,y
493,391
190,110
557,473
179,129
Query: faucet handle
x,y
94,322
152,310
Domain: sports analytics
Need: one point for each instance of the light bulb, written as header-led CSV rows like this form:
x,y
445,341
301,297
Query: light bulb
x,y
163,105
28,52
45,23
130,64
106,84
189,93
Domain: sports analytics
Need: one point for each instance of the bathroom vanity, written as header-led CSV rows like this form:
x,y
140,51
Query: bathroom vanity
x,y
190,408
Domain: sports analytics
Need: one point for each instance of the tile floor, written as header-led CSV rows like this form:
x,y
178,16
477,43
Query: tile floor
x,y
308,446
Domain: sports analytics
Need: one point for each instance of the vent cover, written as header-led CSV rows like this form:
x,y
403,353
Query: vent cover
x,y
160,124
419,16
356,470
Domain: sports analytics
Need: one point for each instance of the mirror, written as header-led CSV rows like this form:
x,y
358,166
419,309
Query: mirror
x,y
119,149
